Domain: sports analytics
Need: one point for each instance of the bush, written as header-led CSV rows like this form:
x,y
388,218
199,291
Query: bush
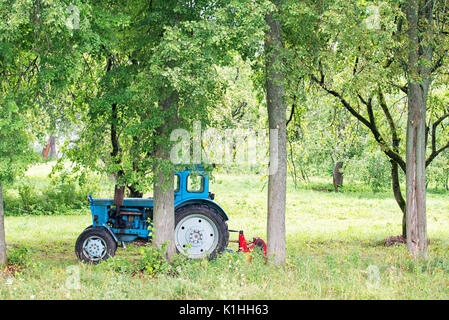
x,y
374,171
153,261
34,197
437,173
19,256
121,265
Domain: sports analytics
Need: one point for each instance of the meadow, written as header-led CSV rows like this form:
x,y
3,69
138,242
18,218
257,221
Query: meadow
x,y
334,251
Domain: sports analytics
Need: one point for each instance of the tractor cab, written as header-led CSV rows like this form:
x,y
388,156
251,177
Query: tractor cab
x,y
191,184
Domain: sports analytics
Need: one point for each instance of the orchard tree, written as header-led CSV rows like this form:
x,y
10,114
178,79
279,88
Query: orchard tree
x,y
360,53
157,74
275,99
17,69
427,45
15,152
39,59
178,44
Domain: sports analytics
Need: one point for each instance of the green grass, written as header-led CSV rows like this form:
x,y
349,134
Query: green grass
x,y
333,246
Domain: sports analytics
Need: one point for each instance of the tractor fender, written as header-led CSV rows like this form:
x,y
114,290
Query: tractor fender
x,y
207,202
108,228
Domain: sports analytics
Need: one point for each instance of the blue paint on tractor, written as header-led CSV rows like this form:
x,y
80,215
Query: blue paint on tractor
x,y
134,220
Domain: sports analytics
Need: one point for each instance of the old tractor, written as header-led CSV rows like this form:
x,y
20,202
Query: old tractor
x,y
200,223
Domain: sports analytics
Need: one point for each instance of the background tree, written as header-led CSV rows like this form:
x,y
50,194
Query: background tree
x,y
359,60
18,70
15,153
277,180
157,73
426,36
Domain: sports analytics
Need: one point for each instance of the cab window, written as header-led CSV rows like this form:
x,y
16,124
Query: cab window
x,y
195,183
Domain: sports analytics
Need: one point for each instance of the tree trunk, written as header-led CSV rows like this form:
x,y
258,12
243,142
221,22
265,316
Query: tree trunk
x,y
164,207
278,142
416,174
337,175
419,57
2,229
164,210
398,195
52,141
119,196
119,190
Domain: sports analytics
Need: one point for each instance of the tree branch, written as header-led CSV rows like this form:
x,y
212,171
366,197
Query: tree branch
x,y
436,152
292,112
368,123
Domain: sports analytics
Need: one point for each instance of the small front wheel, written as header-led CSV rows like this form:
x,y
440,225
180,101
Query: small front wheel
x,y
94,245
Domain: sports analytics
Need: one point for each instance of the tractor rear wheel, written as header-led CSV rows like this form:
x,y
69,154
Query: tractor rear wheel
x,y
94,245
200,231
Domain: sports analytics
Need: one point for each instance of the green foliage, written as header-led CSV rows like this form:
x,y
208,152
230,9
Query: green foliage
x,y
153,260
143,82
151,263
120,265
15,151
437,173
19,256
32,197
373,170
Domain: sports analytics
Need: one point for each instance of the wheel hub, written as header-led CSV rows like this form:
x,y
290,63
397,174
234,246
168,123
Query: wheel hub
x,y
196,236
94,248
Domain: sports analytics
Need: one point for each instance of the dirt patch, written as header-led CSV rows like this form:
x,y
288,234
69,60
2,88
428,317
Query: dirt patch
x,y
140,243
391,241
11,269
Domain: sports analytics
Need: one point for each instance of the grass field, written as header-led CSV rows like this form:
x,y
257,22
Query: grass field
x,y
334,248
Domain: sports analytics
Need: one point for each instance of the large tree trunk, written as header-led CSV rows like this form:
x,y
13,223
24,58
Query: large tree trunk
x,y
278,143
2,229
164,209
416,174
419,58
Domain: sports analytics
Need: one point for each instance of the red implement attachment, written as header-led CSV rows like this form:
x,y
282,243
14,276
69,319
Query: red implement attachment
x,y
245,247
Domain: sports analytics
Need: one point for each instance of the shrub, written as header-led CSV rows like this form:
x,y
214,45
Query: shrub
x,y
153,261
19,256
34,197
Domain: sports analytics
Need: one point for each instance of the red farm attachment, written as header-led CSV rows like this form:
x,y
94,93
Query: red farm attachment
x,y
257,243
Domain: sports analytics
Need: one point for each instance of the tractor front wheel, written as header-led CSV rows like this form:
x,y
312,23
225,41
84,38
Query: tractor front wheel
x,y
200,231
94,245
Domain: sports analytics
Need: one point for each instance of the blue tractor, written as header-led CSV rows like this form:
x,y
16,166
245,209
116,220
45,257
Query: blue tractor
x,y
200,223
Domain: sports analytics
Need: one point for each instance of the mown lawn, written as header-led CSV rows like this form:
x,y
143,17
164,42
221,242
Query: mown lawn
x,y
334,247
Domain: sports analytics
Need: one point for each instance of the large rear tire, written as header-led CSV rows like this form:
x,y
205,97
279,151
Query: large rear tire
x,y
200,231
